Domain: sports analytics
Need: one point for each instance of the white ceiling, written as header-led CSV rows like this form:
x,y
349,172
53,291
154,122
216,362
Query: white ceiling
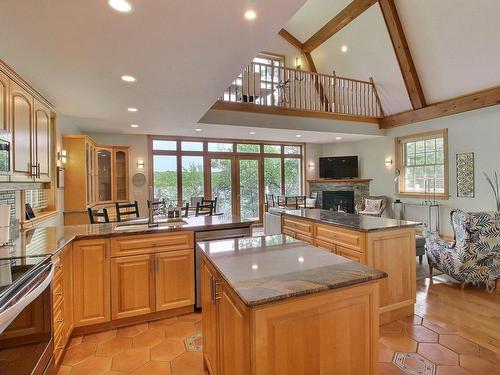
x,y
183,54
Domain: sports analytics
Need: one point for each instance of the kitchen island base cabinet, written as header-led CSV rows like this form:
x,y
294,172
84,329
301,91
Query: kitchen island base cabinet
x,y
333,332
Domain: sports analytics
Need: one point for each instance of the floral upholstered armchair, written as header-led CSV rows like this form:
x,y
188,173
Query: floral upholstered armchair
x,y
474,256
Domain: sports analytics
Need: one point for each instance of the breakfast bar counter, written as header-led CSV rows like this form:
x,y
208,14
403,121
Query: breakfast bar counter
x,y
276,305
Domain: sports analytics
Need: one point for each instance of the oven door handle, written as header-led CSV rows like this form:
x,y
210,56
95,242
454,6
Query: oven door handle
x,y
7,316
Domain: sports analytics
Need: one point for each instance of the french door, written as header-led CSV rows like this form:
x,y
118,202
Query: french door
x,y
236,182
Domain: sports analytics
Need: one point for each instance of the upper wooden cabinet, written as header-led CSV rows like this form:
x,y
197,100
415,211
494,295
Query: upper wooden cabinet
x,y
4,101
31,137
101,170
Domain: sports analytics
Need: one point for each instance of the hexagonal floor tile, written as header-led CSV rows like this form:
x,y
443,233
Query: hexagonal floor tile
x,y
161,323
385,354
188,363
99,336
413,364
438,354
131,359
92,365
439,327
399,343
148,339
391,329
458,344
421,334
168,350
477,365
132,331
153,367
180,330
79,353
114,346
451,370
414,320
194,343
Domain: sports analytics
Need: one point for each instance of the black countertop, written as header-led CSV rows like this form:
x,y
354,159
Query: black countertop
x,y
267,269
361,223
50,240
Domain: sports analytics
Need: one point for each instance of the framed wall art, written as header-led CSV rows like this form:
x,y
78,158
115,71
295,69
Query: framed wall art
x,y
465,175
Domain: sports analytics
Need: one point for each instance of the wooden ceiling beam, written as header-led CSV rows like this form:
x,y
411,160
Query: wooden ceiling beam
x,y
403,54
469,102
337,23
290,39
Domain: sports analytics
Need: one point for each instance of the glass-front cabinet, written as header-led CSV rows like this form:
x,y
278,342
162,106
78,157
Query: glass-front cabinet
x,y
104,177
120,174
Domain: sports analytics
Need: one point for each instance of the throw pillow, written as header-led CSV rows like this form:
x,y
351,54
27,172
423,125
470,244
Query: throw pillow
x,y
373,205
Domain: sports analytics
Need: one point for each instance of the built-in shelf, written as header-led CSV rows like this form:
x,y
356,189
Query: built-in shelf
x,y
337,180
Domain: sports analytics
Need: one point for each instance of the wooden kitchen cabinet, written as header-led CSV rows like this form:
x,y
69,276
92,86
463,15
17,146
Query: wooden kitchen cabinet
x,y
91,282
174,279
21,111
4,101
132,286
31,137
120,161
225,325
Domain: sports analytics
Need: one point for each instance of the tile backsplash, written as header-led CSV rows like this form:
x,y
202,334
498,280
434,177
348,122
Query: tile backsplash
x,y
9,197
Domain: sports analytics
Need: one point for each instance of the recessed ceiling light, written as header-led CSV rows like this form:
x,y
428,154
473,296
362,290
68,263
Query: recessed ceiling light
x,y
128,78
134,126
122,6
250,15
344,48
132,109
251,133
338,138
255,267
197,129
299,135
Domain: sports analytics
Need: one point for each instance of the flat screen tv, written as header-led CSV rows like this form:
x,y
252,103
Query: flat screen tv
x,y
338,167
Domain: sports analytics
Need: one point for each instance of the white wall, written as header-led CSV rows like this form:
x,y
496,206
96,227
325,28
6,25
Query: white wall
x,y
476,131
138,151
312,153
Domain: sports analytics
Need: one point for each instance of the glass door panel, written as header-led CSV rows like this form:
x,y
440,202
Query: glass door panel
x,y
165,178
192,177
104,175
249,189
121,176
221,182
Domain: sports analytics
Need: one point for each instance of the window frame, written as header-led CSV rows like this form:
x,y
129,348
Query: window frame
x,y
400,142
233,155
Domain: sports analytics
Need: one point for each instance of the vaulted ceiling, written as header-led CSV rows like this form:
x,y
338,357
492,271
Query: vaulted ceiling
x,y
453,44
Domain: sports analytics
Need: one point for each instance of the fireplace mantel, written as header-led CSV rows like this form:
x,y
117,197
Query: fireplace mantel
x,y
340,180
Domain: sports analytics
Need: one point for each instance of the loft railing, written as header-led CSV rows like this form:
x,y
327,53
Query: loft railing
x,y
277,86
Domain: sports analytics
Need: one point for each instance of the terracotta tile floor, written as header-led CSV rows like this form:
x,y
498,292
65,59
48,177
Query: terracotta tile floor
x,y
413,346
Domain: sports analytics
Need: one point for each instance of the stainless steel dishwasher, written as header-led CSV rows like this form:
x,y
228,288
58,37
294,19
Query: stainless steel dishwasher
x,y
219,234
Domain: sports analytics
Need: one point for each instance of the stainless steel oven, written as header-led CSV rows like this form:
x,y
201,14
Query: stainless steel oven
x,y
5,152
26,344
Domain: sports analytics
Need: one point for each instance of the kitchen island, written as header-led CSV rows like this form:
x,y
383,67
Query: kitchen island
x,y
382,243
277,306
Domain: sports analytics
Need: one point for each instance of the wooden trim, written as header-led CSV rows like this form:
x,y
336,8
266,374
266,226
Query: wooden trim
x,y
41,216
246,107
459,104
377,98
403,55
337,23
399,164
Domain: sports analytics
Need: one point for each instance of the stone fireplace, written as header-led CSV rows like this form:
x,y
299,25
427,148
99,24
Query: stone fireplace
x,y
338,199
357,187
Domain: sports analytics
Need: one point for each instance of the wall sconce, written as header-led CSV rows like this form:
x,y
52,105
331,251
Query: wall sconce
x,y
140,164
298,63
62,156
311,165
388,162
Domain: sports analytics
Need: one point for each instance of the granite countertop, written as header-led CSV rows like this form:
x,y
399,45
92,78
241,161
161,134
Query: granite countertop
x,y
50,240
361,223
272,268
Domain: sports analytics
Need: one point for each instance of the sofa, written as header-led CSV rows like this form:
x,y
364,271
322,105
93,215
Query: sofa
x,y
474,255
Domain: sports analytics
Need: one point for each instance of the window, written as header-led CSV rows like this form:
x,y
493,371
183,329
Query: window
x,y
422,160
220,147
272,149
292,177
191,146
272,176
164,145
165,177
248,147
192,177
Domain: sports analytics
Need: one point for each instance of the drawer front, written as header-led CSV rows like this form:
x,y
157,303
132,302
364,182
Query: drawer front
x,y
343,237
58,348
143,244
328,246
288,232
57,291
300,226
58,321
301,237
353,255
58,268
